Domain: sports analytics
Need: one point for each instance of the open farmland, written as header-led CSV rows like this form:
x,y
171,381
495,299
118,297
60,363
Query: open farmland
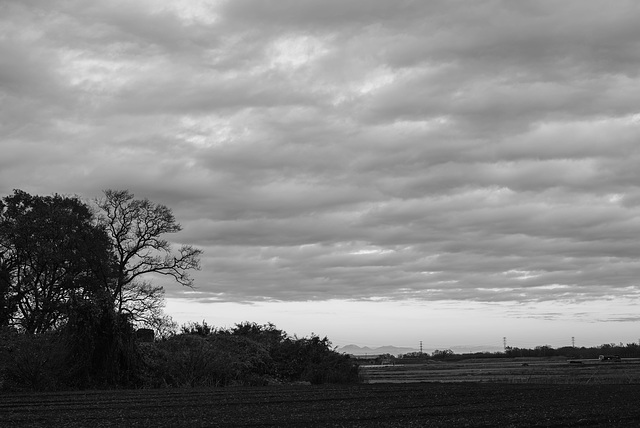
x,y
363,405
516,370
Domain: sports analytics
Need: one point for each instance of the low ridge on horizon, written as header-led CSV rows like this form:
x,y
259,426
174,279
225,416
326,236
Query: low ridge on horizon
x,y
386,349
354,349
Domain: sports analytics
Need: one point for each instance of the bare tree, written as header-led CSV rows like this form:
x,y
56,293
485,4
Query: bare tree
x,y
136,227
145,303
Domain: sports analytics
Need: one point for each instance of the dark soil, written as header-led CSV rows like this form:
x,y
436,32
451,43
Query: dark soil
x,y
365,405
508,370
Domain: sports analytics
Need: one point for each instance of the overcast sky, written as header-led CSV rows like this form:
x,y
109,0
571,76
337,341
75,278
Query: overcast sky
x,y
471,167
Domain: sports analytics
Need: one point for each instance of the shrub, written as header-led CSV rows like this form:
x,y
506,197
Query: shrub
x,y
8,337
33,362
442,355
186,360
313,360
197,329
192,360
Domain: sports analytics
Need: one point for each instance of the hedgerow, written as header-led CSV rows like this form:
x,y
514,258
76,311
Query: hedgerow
x,y
100,352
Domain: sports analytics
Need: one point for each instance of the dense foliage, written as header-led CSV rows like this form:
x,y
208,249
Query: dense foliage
x,y
248,354
52,256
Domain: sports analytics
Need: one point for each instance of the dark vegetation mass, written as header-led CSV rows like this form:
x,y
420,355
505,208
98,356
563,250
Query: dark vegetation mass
x,y
74,299
629,350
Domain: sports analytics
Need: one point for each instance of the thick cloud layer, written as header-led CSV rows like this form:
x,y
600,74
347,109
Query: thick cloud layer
x,y
441,150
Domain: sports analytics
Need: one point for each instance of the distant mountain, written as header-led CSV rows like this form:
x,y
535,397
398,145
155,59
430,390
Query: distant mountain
x,y
365,350
395,350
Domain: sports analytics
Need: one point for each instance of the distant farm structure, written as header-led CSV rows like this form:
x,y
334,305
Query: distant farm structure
x,y
614,358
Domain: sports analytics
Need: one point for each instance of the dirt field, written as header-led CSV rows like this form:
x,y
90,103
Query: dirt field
x,y
365,405
517,370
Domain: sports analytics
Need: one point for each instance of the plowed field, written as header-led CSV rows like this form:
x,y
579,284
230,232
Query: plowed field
x,y
533,370
365,405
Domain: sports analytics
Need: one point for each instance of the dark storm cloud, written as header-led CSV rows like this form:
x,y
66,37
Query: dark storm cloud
x,y
459,150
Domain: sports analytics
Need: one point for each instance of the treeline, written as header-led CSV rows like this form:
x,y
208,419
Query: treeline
x,y
630,350
73,293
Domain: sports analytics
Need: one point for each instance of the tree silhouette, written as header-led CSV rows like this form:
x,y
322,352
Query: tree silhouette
x,y
51,254
135,227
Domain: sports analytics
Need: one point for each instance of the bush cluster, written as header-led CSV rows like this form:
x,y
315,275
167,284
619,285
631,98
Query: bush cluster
x,y
104,354
248,354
